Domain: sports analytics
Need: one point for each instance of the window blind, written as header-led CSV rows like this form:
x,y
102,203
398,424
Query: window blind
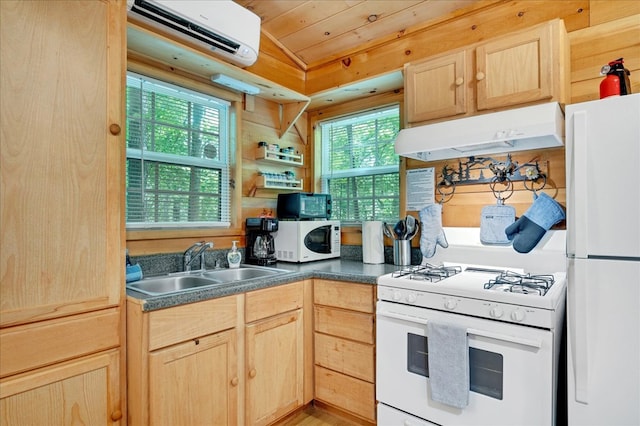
x,y
177,166
360,166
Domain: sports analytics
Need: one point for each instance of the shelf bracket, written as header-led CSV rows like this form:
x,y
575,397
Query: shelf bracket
x,y
289,113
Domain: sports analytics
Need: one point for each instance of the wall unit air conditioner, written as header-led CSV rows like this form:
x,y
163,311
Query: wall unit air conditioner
x,y
224,27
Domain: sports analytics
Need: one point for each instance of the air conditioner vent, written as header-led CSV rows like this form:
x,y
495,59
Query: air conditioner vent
x,y
224,27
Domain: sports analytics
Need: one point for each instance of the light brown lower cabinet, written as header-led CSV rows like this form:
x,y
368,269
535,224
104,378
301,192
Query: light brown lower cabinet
x,y
232,360
274,352
82,391
195,382
183,363
344,346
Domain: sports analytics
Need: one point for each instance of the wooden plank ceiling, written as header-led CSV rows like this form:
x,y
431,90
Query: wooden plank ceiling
x,y
314,32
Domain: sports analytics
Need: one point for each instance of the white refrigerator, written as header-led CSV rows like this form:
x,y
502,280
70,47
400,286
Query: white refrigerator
x,y
603,250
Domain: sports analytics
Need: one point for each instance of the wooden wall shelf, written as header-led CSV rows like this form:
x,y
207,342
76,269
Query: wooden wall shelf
x,y
265,182
263,153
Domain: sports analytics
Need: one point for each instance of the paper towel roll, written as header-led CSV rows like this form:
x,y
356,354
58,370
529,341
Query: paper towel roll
x,y
372,242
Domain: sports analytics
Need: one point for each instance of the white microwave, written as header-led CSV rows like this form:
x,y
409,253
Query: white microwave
x,y
307,240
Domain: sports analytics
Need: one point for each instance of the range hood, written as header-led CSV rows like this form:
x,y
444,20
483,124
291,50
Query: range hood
x,y
521,129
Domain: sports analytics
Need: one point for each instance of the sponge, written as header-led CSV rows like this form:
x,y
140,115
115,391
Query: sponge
x,y
134,273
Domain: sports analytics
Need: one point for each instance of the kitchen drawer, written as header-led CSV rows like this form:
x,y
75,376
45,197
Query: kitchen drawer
x,y
350,394
35,345
184,322
356,297
345,356
347,324
272,301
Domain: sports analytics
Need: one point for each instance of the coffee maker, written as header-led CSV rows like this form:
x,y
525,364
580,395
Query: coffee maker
x,y
260,244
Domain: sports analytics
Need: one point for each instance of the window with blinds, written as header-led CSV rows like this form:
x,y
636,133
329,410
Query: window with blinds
x,y
177,166
360,166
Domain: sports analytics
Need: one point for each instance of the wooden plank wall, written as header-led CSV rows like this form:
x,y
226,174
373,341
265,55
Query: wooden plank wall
x,y
607,31
591,48
600,30
491,21
596,45
262,124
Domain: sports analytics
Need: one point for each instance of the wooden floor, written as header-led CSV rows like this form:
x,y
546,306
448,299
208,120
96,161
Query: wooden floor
x,y
314,416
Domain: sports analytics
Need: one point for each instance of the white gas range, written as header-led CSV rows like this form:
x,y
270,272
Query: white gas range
x,y
510,308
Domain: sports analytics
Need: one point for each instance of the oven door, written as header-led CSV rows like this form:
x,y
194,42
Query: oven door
x,y
511,368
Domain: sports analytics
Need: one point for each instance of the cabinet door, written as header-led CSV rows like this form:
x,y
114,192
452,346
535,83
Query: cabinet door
x,y
83,391
195,383
274,349
61,118
436,88
515,69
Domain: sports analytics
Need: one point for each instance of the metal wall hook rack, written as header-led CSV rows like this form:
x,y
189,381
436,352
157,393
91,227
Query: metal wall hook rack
x,y
446,191
474,171
497,193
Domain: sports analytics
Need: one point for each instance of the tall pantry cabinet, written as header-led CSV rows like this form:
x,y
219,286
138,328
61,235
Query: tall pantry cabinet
x,y
61,220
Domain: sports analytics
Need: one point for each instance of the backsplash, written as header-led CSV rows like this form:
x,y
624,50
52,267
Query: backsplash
x,y
158,264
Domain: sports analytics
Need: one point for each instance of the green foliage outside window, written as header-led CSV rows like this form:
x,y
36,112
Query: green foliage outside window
x,y
360,166
177,168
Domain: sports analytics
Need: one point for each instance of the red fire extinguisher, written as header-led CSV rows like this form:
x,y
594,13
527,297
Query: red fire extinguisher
x,y
616,80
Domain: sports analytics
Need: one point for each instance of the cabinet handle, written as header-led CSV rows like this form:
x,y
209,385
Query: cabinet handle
x,y
252,373
480,76
116,415
459,81
234,381
115,129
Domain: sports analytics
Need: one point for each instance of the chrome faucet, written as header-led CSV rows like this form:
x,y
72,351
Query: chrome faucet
x,y
194,252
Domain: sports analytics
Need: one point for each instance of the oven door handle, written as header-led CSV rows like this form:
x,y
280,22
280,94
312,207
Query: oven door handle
x,y
534,343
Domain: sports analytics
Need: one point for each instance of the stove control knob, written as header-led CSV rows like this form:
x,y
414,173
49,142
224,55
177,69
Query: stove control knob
x,y
396,296
450,304
517,315
411,297
496,312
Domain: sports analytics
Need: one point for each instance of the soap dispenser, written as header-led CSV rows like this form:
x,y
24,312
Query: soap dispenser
x,y
234,256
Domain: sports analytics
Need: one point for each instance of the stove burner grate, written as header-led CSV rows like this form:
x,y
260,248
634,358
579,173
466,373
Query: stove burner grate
x,y
521,283
427,272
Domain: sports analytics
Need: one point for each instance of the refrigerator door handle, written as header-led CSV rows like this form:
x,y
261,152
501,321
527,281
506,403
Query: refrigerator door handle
x,y
577,300
580,190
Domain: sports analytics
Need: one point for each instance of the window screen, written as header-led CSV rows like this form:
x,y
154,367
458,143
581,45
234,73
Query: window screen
x,y
177,166
360,166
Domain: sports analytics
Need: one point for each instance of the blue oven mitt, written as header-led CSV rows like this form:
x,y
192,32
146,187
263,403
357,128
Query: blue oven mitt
x,y
432,232
529,229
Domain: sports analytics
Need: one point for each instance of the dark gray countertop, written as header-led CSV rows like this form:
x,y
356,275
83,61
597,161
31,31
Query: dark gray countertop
x,y
336,269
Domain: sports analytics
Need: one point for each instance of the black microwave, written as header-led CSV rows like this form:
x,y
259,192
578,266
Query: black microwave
x,y
301,205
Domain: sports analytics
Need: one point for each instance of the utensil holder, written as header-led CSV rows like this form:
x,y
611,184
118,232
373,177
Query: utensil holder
x,y
402,252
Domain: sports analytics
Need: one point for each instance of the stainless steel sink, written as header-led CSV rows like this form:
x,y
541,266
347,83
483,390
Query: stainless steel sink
x,y
171,284
243,273
174,283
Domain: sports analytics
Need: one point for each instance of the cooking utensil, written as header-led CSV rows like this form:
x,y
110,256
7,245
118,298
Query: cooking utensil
x,y
388,231
400,229
412,234
410,224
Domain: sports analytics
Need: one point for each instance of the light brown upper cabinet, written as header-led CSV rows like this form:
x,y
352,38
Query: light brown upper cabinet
x,y
435,88
62,239
62,250
525,67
